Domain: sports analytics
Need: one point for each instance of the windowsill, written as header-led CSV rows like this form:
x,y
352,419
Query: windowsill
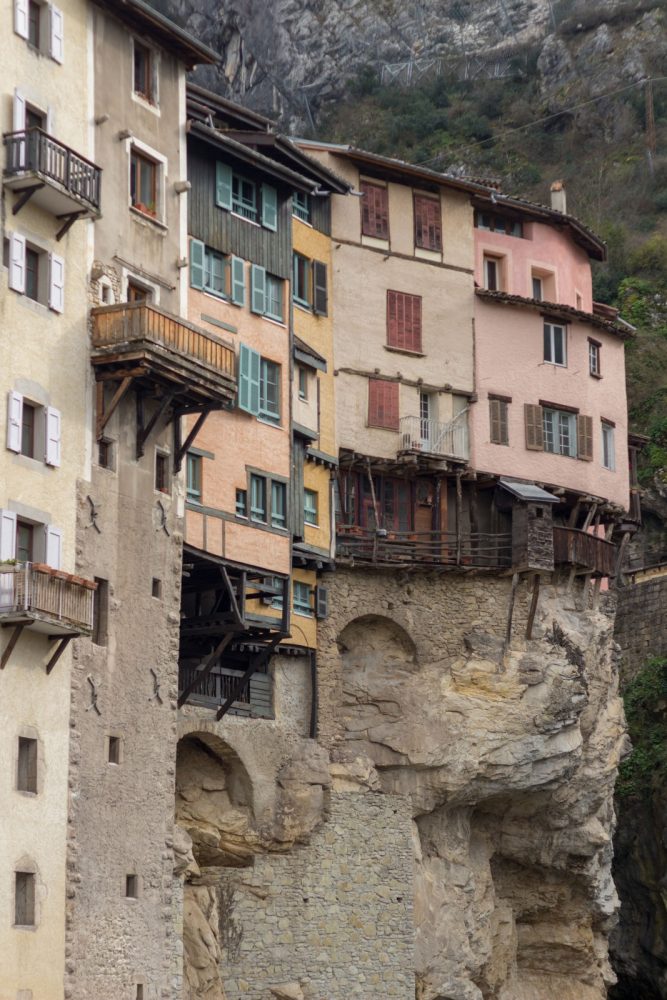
x,y
193,500
145,102
24,927
404,350
379,242
428,253
269,423
244,218
26,794
305,221
301,304
151,219
381,427
594,375
303,614
311,524
277,322
218,296
554,364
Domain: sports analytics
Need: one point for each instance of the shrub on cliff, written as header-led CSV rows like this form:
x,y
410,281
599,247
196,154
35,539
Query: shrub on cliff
x,y
645,708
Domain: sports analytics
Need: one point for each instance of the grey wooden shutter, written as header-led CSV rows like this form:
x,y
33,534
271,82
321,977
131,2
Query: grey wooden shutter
x,y
321,602
504,425
495,419
223,185
584,438
258,289
238,281
296,487
534,427
248,392
269,207
320,294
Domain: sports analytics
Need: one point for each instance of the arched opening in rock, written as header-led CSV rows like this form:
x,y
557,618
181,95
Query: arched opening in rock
x,y
214,830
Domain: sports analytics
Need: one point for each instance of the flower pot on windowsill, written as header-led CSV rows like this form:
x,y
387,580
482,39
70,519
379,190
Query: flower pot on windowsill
x,y
144,209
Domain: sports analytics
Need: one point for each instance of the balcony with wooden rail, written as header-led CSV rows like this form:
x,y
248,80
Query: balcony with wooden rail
x,y
41,169
584,552
37,597
425,549
139,345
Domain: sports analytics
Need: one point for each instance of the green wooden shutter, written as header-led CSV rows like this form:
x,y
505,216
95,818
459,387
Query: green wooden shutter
x,y
258,289
197,253
223,185
320,303
269,207
249,362
238,281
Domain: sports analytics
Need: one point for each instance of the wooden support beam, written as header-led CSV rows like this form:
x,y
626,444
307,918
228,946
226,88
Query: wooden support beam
x,y
103,417
574,515
232,596
459,515
143,433
373,497
9,649
533,606
68,223
618,569
254,663
206,668
589,517
194,431
510,610
62,646
24,197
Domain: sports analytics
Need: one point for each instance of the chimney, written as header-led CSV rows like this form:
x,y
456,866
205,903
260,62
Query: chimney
x,y
558,197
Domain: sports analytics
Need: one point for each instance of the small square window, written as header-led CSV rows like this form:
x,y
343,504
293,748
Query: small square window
x,y
156,588
241,503
132,886
105,453
193,478
303,384
26,777
143,183
24,899
161,472
114,750
137,292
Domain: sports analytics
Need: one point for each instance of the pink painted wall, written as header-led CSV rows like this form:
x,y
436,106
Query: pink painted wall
x,y
509,361
542,248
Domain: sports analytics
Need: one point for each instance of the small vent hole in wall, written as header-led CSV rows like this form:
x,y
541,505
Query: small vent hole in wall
x,y
24,899
131,886
156,587
140,991
114,750
27,765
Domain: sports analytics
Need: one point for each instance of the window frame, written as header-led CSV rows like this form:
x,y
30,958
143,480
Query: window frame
x,y
432,241
162,471
390,421
271,416
272,285
608,445
301,280
594,358
299,605
249,212
278,488
138,156
241,503
548,335
496,261
150,94
376,215
302,211
310,510
302,382
554,433
194,493
404,329
256,511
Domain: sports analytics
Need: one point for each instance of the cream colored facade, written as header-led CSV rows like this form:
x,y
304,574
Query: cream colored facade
x,y
43,362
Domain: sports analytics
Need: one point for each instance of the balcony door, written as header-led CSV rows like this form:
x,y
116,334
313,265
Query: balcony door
x,y
426,415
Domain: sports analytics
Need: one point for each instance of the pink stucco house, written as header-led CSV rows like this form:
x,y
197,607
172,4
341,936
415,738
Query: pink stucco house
x,y
550,403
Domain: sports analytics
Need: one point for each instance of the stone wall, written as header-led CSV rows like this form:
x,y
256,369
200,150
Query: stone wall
x,y
333,917
641,623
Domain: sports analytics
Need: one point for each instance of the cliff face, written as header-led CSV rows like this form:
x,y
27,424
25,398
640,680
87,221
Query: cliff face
x,y
450,830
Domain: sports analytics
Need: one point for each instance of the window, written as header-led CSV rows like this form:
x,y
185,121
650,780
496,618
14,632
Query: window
x,y
28,430
301,206
537,288
32,273
143,183
113,750
214,272
404,321
278,505
34,118
492,273
498,413
105,453
143,77
33,430
269,391
258,499
161,472
273,304
35,273
310,506
132,886
25,538
303,383
244,197
302,599
41,24
28,541
241,503
428,226
374,210
608,453
560,432
137,292
383,404
498,224
100,612
156,588
237,194
24,899
301,279
276,584
594,365
26,772
193,478
555,350
217,274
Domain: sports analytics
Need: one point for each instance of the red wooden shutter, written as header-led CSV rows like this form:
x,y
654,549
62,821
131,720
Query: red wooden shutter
x,y
428,229
404,321
383,404
374,210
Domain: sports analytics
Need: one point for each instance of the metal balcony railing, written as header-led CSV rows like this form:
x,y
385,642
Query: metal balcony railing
x,y
448,440
39,592
35,151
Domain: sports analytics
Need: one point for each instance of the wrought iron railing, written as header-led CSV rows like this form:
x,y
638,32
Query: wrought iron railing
x,y
575,547
50,593
475,549
431,437
134,322
33,149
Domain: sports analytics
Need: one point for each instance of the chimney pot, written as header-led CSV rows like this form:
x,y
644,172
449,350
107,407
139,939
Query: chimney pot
x,y
558,197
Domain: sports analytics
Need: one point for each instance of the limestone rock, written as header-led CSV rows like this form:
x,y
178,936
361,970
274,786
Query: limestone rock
x,y
288,991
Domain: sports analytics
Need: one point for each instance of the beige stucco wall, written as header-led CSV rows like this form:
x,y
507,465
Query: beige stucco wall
x,y
43,355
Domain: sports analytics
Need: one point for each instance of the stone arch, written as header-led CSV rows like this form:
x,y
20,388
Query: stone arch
x,y
380,634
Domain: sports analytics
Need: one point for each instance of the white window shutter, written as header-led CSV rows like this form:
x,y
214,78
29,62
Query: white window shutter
x,y
53,539
14,420
17,262
49,120
57,40
53,434
18,117
56,283
21,18
7,535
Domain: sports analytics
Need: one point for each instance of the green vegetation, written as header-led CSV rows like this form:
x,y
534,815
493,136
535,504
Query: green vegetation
x,y
645,706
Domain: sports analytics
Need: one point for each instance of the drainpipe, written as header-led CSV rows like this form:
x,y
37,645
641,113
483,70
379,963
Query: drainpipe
x,y
313,694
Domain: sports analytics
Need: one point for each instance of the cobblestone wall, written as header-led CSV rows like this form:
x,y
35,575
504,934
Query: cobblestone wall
x,y
334,916
641,623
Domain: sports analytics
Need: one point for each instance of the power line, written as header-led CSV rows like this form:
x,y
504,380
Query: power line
x,y
540,121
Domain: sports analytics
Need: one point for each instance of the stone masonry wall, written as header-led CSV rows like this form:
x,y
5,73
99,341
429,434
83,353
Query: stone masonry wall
x,y
641,623
334,916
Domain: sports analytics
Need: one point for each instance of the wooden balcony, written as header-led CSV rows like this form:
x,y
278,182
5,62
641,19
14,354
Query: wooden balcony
x,y
216,686
45,599
137,340
431,438
57,178
583,551
425,549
